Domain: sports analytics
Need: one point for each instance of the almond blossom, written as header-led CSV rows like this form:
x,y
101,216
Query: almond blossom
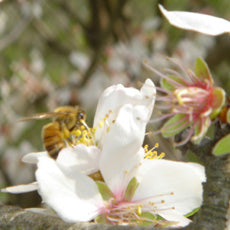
x,y
190,99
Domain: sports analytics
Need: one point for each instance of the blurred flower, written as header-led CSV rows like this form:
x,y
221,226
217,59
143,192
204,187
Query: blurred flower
x,y
201,23
191,100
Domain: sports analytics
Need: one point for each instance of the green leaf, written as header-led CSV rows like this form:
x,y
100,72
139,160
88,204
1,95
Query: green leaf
x,y
202,70
222,146
131,189
192,212
168,85
219,101
104,190
175,125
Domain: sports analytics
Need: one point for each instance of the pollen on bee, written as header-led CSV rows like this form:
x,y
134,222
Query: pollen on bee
x,y
77,133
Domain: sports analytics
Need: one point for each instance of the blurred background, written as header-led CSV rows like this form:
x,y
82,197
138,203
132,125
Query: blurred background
x,y
60,52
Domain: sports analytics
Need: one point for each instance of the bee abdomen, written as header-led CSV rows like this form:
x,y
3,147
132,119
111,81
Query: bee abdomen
x,y
52,139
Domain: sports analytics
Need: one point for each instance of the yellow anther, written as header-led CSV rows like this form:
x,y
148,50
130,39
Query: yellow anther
x,y
110,111
162,201
171,193
107,130
84,133
162,155
77,132
101,124
139,210
105,119
113,121
82,127
107,115
156,145
126,171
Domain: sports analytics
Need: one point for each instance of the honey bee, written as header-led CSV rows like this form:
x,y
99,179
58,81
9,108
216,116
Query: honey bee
x,y
57,134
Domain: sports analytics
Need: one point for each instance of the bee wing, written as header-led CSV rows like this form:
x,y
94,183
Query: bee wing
x,y
41,116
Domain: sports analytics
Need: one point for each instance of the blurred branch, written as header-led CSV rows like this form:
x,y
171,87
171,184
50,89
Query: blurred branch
x,y
16,218
100,29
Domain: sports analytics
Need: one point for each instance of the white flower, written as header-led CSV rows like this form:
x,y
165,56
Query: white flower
x,y
111,131
202,23
133,185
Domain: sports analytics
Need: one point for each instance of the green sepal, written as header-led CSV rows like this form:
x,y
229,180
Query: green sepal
x,y
168,85
148,218
173,126
200,130
192,212
222,146
202,70
100,219
131,189
219,101
104,190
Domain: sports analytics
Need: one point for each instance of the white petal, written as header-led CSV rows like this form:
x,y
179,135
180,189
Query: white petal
x,y
159,178
114,97
175,216
202,23
122,150
73,199
22,188
32,158
81,158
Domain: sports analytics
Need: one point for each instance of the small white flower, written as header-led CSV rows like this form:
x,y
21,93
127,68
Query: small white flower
x,y
201,23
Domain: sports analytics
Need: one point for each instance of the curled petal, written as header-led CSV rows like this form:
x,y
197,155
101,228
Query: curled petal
x,y
114,97
22,188
32,158
84,159
75,199
201,23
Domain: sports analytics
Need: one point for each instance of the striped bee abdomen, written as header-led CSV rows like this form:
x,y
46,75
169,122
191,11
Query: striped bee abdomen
x,y
52,139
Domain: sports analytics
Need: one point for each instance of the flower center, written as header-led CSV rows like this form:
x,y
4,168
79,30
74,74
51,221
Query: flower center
x,y
192,100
